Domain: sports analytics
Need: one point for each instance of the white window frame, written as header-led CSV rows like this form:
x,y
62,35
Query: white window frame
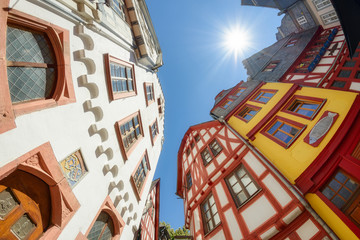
x,y
328,16
321,4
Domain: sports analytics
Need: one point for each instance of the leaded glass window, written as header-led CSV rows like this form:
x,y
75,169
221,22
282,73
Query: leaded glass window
x,y
154,130
140,174
149,93
130,131
103,228
241,185
31,65
121,78
209,214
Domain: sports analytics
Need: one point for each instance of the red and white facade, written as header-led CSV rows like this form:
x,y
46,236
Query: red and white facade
x,y
214,206
149,224
334,69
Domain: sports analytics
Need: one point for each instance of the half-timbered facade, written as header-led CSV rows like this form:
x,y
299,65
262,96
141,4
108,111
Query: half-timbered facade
x,y
149,225
230,193
311,136
77,157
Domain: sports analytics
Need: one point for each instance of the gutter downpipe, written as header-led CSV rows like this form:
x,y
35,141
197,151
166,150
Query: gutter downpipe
x,y
292,188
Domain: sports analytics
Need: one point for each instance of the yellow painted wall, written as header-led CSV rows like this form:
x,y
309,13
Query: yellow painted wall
x,y
330,218
295,159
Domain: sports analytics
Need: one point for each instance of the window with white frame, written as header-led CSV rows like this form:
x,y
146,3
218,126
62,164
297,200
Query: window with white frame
x,y
301,20
320,4
329,17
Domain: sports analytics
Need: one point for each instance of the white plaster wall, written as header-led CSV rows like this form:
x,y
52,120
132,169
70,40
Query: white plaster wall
x,y
221,194
277,190
66,128
258,213
218,236
233,225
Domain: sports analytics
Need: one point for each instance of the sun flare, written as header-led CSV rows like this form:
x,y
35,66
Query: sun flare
x,y
236,41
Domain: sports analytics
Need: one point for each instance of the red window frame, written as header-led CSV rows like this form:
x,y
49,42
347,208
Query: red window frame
x,y
291,102
271,66
153,138
283,121
147,94
139,192
126,152
245,109
353,199
60,43
238,91
226,103
292,42
261,93
114,95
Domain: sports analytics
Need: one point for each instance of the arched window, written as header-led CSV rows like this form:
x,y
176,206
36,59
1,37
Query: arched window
x,y
103,228
35,68
31,64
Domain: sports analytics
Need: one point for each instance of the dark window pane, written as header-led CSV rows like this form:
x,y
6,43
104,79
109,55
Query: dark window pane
x,y
282,137
339,203
352,185
340,177
339,84
345,193
335,185
349,63
328,193
344,73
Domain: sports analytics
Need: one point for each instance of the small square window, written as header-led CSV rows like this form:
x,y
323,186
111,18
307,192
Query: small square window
x,y
206,156
192,145
341,190
283,131
247,112
120,78
338,84
149,93
215,147
344,73
188,180
238,92
154,131
357,75
349,64
241,185
263,96
301,20
320,4
271,66
197,138
187,151
291,43
305,107
227,103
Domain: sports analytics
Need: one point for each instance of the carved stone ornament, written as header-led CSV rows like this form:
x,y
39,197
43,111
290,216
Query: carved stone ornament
x,y
33,161
321,128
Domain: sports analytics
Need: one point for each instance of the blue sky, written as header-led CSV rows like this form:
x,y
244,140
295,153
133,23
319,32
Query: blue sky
x,y
196,68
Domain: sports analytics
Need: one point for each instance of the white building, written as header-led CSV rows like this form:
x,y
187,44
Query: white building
x,y
82,117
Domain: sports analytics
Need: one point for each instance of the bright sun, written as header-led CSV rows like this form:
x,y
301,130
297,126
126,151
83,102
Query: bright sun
x,y
236,41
